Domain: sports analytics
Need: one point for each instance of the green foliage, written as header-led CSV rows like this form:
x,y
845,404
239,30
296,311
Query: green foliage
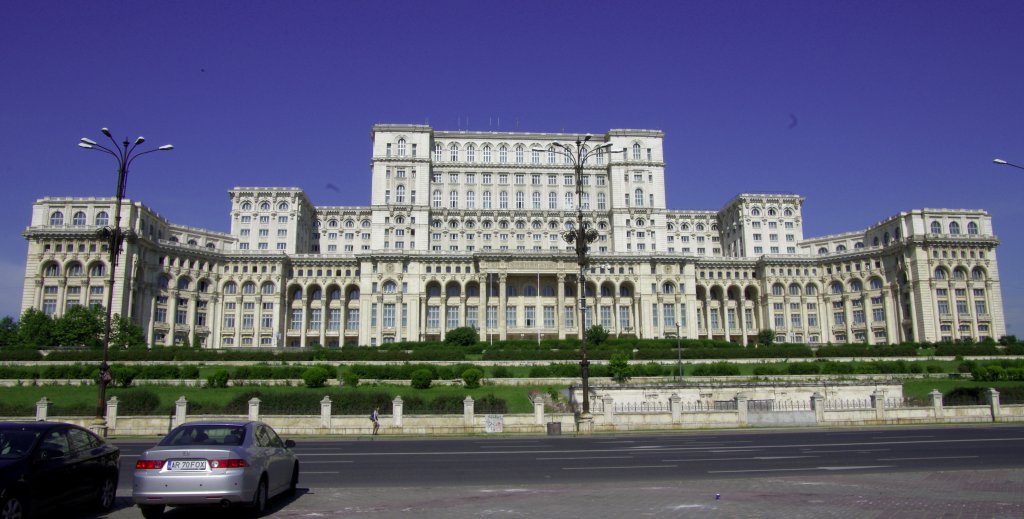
x,y
490,404
619,368
315,376
136,401
123,375
350,379
768,369
8,333
766,337
1005,340
421,378
80,326
802,368
471,378
501,372
717,369
126,334
464,336
218,379
596,335
35,329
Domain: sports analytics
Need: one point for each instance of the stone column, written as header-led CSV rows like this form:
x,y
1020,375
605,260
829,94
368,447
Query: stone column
x,y
936,398
741,408
112,413
467,411
878,402
993,401
818,406
676,403
502,305
180,410
325,412
609,408
538,410
397,408
254,408
42,408
560,306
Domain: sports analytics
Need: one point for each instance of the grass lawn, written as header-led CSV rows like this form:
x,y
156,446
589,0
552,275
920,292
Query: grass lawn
x,y
919,389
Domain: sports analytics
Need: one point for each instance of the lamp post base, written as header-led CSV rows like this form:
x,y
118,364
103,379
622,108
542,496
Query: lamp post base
x,y
585,425
98,426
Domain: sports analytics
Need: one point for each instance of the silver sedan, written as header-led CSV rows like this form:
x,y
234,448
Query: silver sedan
x,y
215,463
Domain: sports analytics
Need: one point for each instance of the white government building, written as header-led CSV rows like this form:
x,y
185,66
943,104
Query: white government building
x,y
465,229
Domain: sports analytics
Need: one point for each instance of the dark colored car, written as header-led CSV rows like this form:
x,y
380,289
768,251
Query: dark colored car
x,y
48,465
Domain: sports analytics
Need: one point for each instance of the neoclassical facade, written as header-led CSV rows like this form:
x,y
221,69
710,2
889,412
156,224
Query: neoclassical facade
x,y
465,229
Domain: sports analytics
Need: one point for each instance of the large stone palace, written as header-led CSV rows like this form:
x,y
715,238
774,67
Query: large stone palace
x,y
465,229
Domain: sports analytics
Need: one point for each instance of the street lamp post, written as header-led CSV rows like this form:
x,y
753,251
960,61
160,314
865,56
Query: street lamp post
x,y
1002,162
125,153
580,237
679,349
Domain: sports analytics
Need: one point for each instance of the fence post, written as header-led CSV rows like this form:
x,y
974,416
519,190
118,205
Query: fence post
x,y
325,412
676,403
993,402
42,408
818,405
936,398
180,410
538,410
254,408
467,411
397,408
112,413
741,408
878,402
609,408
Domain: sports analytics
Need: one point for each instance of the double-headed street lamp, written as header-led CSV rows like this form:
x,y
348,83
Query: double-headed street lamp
x,y
580,237
1002,162
125,153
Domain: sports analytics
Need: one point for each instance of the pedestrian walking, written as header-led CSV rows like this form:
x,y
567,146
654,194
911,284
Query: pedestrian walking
x,y
375,418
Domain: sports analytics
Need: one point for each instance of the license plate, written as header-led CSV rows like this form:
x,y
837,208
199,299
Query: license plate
x,y
187,465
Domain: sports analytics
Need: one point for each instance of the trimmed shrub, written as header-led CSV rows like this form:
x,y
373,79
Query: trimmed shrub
x,y
136,401
315,376
717,369
464,336
471,377
218,379
802,368
350,379
501,372
421,378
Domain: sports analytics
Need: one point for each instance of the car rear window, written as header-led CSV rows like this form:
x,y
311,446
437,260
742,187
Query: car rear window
x,y
213,435
16,443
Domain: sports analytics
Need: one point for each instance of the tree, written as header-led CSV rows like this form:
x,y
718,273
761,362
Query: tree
x,y
35,329
315,376
80,326
596,335
471,377
619,368
8,332
464,336
421,378
766,337
126,334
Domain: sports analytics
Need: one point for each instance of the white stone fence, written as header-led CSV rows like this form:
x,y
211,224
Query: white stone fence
x,y
608,416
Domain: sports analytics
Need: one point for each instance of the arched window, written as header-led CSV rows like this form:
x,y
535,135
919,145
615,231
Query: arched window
x,y
230,288
249,287
822,250
520,200
78,218
163,282
453,199
548,291
777,289
536,199
606,291
265,206
297,294
954,228
246,206
840,248
530,291
98,270
787,212
315,294
56,218
471,153
436,201
487,200
503,200
74,269
282,206
551,154
569,200
400,194
473,291
876,283
794,289
183,283
102,219
487,153
334,294
936,228
755,212
668,288
453,152
856,285
858,245
267,288
837,287
389,287
51,270
972,228
511,291
811,289
960,274
977,274
624,291
401,147
203,285
353,294
636,151
940,273
503,154
438,151
638,197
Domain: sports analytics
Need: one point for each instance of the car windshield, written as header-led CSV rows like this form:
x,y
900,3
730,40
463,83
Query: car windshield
x,y
16,443
201,434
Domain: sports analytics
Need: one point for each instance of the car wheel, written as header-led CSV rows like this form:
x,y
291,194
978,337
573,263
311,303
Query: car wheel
x,y
258,507
12,508
107,494
293,487
152,511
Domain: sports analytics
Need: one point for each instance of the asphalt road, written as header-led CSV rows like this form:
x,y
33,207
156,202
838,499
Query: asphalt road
x,y
371,473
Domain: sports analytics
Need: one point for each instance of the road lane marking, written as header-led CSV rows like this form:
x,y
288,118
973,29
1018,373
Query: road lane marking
x,y
589,458
852,450
927,458
324,462
683,460
623,467
900,437
306,472
855,467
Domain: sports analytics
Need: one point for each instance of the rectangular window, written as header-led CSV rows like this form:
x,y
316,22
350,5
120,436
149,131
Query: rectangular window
x,y
714,319
568,319
549,317
669,315
352,319
296,320
840,318
654,314
606,316
530,316
452,317
492,317
433,317
730,317
471,317
858,316
510,317
624,317
314,320
389,315
334,319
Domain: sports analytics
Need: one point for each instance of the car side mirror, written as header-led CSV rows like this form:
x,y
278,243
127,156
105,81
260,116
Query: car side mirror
x,y
289,444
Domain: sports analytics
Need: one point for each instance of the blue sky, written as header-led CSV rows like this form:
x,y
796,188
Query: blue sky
x,y
899,105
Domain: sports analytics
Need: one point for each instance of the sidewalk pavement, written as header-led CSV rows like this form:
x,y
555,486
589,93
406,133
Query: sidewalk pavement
x,y
949,494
